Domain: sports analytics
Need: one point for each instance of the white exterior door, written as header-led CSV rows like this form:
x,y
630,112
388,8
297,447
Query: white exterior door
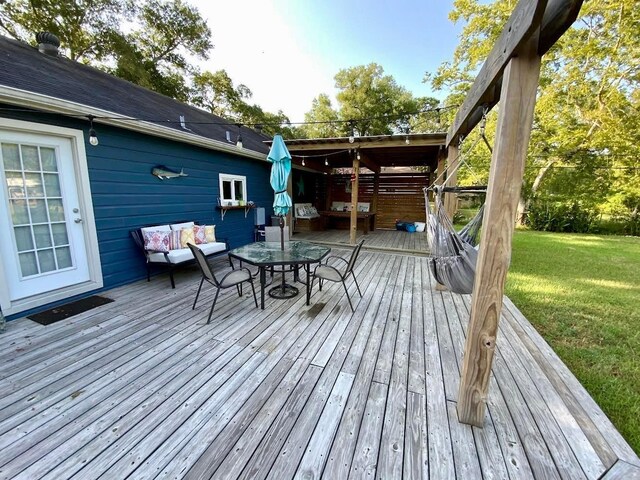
x,y
48,238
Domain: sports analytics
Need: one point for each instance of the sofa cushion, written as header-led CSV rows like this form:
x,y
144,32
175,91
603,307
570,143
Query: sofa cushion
x,y
174,240
184,254
187,236
210,232
180,226
156,240
157,228
199,234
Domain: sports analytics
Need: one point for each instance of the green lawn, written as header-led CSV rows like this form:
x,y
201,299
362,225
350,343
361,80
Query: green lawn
x,y
582,293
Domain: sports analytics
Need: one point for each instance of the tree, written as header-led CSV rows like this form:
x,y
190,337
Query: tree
x,y
374,101
371,103
216,93
585,124
153,54
86,28
323,120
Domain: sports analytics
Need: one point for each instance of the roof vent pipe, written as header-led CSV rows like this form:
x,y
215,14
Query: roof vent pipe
x,y
48,43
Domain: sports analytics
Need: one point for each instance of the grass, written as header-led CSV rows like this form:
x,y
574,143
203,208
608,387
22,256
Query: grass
x,y
581,293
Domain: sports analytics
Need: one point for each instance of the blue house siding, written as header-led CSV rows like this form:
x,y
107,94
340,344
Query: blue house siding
x,y
126,196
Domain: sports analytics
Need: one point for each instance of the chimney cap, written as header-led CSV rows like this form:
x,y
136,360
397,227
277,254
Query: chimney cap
x,y
48,43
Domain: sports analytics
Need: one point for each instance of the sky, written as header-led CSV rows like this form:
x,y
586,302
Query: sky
x,y
288,51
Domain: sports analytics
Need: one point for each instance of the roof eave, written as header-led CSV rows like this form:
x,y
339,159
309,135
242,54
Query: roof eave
x,y
38,101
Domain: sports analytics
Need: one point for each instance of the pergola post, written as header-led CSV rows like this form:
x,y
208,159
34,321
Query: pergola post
x,y
518,98
355,176
450,199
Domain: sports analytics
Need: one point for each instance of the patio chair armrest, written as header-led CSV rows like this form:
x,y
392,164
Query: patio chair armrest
x,y
327,266
335,257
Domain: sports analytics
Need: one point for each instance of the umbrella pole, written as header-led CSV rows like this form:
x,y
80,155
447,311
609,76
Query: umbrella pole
x,y
282,233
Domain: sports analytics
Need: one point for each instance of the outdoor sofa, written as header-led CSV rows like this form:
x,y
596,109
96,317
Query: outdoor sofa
x,y
165,246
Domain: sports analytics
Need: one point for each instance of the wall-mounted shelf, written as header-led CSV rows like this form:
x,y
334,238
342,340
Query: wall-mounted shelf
x,y
224,208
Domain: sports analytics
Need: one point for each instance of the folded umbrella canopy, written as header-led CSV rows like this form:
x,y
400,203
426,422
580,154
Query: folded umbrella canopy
x,y
280,169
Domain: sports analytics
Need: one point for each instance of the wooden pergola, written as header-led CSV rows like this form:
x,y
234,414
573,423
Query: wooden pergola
x,y
425,150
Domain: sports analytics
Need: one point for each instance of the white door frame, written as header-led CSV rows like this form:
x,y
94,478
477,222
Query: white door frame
x,y
76,137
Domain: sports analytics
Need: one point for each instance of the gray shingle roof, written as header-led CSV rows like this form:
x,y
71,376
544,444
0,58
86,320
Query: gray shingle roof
x,y
25,68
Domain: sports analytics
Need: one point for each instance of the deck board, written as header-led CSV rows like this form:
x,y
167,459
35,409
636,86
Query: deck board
x,y
144,388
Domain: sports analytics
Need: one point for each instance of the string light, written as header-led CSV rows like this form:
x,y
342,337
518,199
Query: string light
x,y
326,162
93,137
257,126
303,164
406,140
351,132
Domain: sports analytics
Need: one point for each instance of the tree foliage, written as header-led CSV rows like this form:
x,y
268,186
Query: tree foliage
x,y
585,142
86,28
216,93
370,102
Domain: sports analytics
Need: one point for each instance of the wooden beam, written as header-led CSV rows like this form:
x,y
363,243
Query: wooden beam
x,y
505,181
355,178
558,17
295,149
369,162
453,160
524,20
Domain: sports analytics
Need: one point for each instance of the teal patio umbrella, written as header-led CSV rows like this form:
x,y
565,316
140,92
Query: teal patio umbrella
x,y
280,158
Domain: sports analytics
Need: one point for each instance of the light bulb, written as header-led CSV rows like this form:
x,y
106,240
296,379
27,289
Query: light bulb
x,y
358,155
93,138
326,162
303,164
239,142
352,138
406,140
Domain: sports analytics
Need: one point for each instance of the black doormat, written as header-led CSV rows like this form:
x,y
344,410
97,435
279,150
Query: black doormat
x,y
69,310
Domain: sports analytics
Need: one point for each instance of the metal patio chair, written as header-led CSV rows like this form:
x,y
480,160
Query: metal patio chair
x,y
324,271
235,278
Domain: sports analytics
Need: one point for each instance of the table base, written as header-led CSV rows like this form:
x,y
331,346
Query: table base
x,y
283,291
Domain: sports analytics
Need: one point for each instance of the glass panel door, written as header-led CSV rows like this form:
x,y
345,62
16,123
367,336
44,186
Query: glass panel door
x,y
36,208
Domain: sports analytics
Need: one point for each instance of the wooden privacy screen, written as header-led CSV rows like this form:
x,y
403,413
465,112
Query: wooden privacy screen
x,y
400,195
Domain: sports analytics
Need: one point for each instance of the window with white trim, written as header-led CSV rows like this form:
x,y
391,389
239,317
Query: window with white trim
x,y
233,189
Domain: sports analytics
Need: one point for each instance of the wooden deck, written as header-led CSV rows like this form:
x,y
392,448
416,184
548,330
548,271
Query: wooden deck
x,y
143,388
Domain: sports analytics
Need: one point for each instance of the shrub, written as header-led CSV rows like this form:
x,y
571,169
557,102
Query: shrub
x,y
558,216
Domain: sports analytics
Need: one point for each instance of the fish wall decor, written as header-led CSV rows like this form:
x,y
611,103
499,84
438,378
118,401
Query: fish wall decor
x,y
164,173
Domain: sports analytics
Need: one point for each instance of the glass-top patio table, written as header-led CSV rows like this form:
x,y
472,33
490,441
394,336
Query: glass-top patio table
x,y
269,254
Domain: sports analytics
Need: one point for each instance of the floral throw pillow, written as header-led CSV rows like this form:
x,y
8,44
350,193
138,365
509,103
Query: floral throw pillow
x,y
186,236
210,233
199,234
156,241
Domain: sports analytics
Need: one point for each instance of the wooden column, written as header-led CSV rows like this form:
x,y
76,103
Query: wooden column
x,y
354,200
374,200
450,199
518,97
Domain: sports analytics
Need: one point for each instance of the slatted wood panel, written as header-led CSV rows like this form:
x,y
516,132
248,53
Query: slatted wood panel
x,y
143,388
400,196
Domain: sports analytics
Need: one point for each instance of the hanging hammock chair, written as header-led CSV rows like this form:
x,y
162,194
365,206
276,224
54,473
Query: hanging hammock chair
x,y
453,254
